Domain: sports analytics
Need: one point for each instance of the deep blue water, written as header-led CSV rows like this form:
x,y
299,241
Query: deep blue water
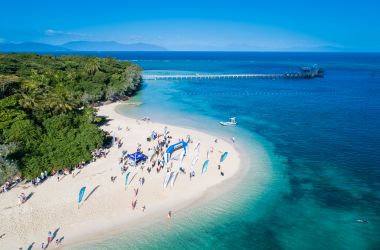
x,y
324,130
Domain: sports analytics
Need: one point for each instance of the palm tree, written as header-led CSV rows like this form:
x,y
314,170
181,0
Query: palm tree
x,y
92,66
59,100
28,101
7,84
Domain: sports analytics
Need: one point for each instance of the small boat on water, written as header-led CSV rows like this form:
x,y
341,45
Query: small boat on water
x,y
231,122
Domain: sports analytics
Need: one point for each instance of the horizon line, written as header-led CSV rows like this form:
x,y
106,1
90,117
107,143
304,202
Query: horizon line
x,y
209,51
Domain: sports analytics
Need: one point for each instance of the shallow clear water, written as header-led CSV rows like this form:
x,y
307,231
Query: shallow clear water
x,y
321,137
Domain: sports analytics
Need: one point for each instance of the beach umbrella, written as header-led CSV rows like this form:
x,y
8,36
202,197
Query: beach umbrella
x,y
224,156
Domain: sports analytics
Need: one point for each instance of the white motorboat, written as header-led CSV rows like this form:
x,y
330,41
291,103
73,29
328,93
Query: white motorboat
x,y
232,122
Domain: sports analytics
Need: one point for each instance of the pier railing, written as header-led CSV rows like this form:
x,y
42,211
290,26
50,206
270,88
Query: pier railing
x,y
228,76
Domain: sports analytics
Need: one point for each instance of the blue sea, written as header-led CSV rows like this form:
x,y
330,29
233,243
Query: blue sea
x,y
316,141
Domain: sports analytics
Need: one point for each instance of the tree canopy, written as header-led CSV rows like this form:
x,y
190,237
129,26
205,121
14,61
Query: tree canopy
x,y
46,119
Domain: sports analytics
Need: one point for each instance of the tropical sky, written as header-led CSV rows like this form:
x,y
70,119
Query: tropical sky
x,y
256,25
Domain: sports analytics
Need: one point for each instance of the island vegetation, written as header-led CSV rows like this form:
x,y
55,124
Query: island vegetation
x,y
47,118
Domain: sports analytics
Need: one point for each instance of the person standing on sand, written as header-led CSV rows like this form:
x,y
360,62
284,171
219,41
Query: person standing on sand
x,y
43,245
142,181
169,214
49,238
134,203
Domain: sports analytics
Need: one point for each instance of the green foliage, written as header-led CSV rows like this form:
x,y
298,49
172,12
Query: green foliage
x,y
67,140
86,78
45,108
7,84
25,132
8,168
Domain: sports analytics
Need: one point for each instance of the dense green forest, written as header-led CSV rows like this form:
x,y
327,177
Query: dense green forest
x,y
46,117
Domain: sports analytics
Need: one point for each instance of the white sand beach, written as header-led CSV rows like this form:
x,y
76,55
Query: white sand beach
x,y
107,205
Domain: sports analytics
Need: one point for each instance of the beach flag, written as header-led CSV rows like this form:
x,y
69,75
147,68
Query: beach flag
x,y
205,166
81,194
126,179
224,156
165,132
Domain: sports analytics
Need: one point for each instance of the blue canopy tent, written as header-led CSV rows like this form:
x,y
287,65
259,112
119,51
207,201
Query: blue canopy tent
x,y
137,157
173,148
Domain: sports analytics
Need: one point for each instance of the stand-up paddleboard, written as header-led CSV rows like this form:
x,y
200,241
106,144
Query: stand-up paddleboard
x,y
205,166
173,179
167,178
224,156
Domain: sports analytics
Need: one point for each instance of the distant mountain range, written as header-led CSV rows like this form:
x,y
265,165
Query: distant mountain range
x,y
30,47
110,46
78,46
116,46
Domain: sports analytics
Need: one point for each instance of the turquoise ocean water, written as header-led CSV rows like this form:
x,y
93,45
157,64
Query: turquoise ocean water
x,y
316,142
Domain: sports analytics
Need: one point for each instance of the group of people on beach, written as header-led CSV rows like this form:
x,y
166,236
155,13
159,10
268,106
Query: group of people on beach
x,y
50,238
155,159
39,179
100,153
10,184
22,198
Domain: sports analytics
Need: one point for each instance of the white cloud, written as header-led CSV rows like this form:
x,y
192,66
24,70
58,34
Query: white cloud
x,y
52,32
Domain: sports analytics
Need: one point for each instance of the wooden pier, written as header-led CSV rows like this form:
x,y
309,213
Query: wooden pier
x,y
209,76
297,75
